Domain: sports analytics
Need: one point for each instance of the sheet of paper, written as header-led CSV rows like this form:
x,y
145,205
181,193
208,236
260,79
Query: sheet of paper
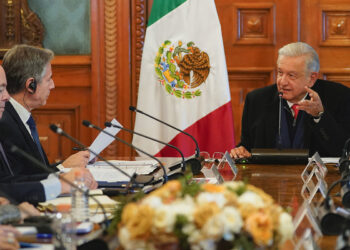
x,y
103,140
330,160
102,172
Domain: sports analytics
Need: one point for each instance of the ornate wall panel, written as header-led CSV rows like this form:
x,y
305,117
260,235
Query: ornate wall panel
x,y
242,81
335,29
337,75
66,117
254,23
18,24
111,70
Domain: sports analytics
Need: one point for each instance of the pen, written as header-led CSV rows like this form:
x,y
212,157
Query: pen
x,y
78,149
43,236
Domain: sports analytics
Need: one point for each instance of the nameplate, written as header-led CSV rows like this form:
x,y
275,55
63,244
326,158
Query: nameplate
x,y
306,241
307,210
231,163
217,174
314,162
314,183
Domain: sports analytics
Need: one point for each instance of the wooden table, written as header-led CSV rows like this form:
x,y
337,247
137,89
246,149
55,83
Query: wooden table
x,y
283,183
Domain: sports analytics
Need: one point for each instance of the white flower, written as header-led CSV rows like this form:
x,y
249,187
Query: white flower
x,y
153,201
124,238
285,227
206,197
163,219
232,220
251,198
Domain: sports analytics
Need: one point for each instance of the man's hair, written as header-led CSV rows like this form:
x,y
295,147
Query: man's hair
x,y
22,62
312,62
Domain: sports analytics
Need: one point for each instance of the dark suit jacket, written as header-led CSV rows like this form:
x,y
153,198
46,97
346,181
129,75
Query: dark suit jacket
x,y
261,112
18,135
32,192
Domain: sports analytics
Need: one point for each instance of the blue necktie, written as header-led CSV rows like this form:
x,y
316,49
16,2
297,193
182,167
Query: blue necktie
x,y
35,136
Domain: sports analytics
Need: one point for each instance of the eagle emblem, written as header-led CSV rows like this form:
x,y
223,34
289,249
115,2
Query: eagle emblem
x,y
181,69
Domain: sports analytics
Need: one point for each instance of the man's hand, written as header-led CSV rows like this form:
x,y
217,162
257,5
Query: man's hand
x,y
88,179
240,152
313,106
27,210
77,160
7,238
4,201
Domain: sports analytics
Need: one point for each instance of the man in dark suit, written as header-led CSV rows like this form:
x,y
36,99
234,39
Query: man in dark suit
x,y
33,188
315,114
29,82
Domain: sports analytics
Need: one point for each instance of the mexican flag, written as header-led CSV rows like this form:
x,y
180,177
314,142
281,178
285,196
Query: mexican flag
x,y
183,80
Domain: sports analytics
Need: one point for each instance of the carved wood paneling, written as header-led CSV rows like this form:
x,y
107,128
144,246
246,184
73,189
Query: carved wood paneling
x,y
66,117
335,29
337,75
242,81
18,24
111,69
254,23
139,15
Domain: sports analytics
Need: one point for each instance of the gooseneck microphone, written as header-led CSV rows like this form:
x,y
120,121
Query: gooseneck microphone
x,y
132,108
39,164
332,221
90,125
279,139
60,131
109,124
344,169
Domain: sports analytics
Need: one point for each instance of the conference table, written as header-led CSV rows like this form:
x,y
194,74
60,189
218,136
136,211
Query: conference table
x,y
282,182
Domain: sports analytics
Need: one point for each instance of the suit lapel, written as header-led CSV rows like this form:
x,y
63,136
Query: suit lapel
x,y
23,130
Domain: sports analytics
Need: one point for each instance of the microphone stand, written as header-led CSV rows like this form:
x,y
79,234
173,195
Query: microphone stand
x,y
39,164
90,125
109,124
167,124
59,131
195,162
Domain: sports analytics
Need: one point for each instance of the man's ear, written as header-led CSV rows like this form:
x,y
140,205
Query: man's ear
x,y
313,79
31,85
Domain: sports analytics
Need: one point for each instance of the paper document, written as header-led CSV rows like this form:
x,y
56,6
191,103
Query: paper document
x,y
330,160
103,140
102,172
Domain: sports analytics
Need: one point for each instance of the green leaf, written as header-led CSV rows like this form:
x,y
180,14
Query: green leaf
x,y
181,221
178,93
157,60
190,44
188,95
172,68
168,57
180,84
167,42
168,88
197,92
160,50
159,73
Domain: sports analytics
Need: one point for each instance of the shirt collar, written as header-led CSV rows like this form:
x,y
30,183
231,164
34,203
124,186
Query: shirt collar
x,y
291,104
23,113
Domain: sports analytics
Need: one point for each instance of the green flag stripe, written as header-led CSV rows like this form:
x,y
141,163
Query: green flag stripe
x,y
162,7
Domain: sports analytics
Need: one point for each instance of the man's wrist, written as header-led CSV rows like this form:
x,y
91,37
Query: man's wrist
x,y
318,116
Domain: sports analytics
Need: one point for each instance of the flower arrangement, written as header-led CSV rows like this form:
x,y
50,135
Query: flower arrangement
x,y
233,215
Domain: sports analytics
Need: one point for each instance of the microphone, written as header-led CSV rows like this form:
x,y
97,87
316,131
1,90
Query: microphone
x,y
344,169
333,221
279,139
196,165
167,124
109,124
39,164
90,125
60,131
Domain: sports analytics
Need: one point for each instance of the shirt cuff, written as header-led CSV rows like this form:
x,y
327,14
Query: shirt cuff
x,y
52,187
